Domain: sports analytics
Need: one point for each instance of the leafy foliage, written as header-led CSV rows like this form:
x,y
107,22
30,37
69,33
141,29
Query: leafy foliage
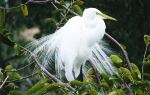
x,y
19,17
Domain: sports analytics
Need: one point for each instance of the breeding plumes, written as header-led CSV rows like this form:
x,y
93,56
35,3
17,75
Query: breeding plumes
x,y
77,42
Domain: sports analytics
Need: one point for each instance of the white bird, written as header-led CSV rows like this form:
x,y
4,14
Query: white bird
x,y
77,42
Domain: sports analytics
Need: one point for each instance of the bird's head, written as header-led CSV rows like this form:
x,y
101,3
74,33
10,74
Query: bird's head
x,y
91,13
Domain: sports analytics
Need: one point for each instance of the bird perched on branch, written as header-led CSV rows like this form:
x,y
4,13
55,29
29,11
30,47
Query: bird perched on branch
x,y
77,42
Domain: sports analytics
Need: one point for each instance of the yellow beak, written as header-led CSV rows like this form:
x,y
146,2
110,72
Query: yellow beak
x,y
104,16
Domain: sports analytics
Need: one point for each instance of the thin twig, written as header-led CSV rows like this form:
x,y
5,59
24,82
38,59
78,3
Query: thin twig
x,y
126,85
74,13
4,82
57,9
19,68
144,60
11,58
16,80
123,51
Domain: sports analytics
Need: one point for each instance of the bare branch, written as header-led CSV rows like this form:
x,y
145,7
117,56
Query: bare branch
x,y
4,82
122,49
144,60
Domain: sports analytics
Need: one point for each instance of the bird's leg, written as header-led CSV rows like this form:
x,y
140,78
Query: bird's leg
x,y
68,72
76,69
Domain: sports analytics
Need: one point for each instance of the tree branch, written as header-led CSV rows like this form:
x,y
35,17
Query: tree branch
x,y
144,60
122,49
4,82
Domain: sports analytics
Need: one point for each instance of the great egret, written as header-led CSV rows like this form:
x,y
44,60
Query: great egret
x,y
78,41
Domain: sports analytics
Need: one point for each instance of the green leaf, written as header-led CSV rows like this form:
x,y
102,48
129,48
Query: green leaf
x,y
12,86
117,92
9,68
136,71
54,86
147,39
104,84
36,87
125,74
93,92
147,75
2,17
89,92
17,49
137,89
14,75
24,9
6,41
139,92
107,79
147,60
77,9
116,60
62,1
14,92
1,75
79,2
78,83
143,83
114,77
42,90
50,20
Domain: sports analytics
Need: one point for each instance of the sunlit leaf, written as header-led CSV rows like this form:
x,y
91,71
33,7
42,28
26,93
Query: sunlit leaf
x,y
24,9
62,1
78,83
117,92
104,84
50,20
147,39
107,79
17,49
77,9
36,87
79,2
125,74
89,92
9,68
147,60
42,90
55,86
1,75
116,60
136,71
14,75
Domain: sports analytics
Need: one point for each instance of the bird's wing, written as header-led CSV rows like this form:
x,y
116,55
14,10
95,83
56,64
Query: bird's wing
x,y
60,47
101,61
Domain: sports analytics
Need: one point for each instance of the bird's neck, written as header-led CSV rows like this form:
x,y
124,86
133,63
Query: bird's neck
x,y
89,22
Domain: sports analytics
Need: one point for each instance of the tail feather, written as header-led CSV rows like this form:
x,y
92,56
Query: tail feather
x,y
46,51
101,61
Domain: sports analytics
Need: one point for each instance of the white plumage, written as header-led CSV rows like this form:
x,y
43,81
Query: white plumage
x,y
75,43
